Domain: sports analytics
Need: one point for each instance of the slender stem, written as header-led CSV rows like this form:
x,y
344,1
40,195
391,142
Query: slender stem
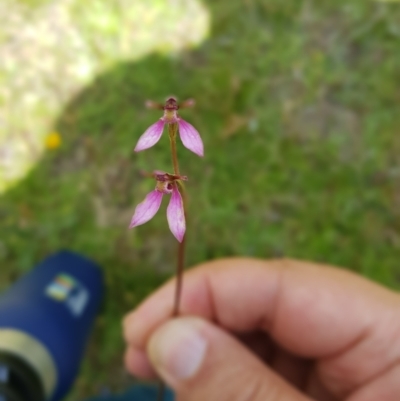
x,y
181,258
172,130
179,276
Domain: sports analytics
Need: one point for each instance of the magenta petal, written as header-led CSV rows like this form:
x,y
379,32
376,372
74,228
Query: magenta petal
x,y
190,138
146,210
176,215
151,136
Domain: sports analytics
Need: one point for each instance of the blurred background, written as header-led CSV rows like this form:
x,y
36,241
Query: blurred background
x,y
297,103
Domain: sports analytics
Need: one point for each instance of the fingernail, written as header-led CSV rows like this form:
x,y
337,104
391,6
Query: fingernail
x,y
177,349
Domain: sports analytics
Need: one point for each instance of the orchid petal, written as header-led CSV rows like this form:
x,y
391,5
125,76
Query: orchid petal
x,y
176,215
151,136
146,210
190,137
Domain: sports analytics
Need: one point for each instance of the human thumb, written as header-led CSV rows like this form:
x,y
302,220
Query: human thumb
x,y
199,361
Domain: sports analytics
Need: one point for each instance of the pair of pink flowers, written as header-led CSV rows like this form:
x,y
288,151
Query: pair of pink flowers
x,y
166,183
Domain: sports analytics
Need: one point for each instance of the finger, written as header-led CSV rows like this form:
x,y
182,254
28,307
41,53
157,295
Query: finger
x,y
385,387
317,390
202,362
310,310
222,290
137,363
294,370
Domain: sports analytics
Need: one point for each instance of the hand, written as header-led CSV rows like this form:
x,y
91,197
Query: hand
x,y
282,330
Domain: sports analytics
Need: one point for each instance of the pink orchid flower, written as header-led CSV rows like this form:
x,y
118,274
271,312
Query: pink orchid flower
x,y
188,134
147,209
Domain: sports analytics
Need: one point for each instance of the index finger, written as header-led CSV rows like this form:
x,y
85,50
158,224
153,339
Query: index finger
x,y
311,310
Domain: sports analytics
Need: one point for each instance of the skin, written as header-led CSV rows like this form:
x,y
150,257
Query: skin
x,y
275,330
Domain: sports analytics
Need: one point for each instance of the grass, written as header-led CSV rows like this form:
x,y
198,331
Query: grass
x,y
297,105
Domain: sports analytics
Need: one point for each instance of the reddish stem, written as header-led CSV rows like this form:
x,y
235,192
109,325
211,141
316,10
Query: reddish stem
x,y
181,257
172,131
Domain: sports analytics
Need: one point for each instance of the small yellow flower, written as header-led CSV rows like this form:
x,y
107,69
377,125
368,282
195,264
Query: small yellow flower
x,y
53,140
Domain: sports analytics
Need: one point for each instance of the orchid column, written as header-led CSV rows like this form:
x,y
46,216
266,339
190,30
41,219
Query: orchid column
x,y
166,183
